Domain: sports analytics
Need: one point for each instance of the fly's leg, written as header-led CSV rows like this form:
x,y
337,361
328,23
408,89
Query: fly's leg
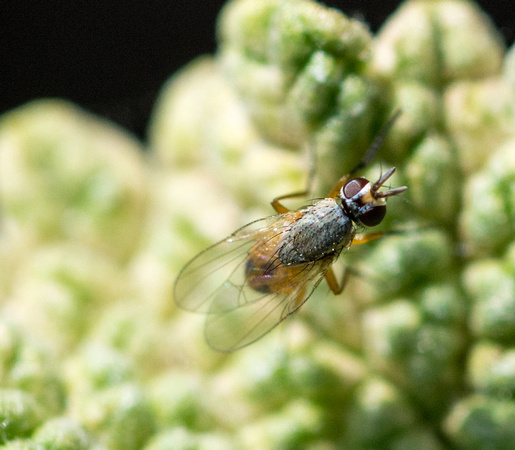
x,y
369,155
332,282
363,238
376,144
294,304
279,207
335,191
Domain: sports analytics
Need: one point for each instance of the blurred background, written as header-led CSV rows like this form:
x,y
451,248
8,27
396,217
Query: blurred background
x,y
113,57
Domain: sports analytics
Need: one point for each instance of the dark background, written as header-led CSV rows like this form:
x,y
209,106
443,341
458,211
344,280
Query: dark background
x,y
112,58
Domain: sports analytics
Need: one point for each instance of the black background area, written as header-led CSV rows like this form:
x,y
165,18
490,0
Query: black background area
x,y
113,57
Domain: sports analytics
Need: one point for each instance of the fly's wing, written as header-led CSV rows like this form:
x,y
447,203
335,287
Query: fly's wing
x,y
239,315
215,282
201,280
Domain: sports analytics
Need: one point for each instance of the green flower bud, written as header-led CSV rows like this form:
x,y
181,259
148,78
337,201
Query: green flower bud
x,y
444,303
29,369
21,444
287,59
199,98
182,439
179,398
66,174
492,288
433,178
20,414
95,368
492,370
399,263
378,413
420,115
422,357
436,42
487,223
342,139
58,292
62,434
119,415
480,116
420,438
296,425
390,331
132,329
481,422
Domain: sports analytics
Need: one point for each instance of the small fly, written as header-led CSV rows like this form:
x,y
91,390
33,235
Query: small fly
x,y
262,273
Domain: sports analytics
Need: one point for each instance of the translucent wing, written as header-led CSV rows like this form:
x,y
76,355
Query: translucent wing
x,y
239,315
200,280
220,282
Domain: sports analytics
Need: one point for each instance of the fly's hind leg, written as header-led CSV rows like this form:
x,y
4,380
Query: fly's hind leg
x,y
295,303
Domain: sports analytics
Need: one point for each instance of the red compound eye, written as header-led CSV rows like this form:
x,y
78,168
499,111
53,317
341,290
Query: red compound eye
x,y
374,216
354,186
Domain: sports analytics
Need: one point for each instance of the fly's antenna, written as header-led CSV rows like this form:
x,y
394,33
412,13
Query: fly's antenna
x,y
376,144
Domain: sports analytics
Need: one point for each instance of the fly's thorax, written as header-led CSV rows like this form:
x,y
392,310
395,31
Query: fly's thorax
x,y
323,229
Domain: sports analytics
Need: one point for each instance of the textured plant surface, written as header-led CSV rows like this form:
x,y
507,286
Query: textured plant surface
x,y
418,352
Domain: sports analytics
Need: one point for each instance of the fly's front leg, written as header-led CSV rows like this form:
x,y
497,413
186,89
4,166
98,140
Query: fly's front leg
x,y
369,155
363,238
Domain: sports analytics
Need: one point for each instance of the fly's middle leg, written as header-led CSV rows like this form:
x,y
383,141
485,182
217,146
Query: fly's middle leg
x,y
279,207
336,287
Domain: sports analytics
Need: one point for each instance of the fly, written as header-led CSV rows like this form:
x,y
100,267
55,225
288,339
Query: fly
x,y
262,273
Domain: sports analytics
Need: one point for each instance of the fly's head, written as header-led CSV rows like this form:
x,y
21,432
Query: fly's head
x,y
364,203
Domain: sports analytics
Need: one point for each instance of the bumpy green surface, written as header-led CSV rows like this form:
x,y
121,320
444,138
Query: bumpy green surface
x,y
418,352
